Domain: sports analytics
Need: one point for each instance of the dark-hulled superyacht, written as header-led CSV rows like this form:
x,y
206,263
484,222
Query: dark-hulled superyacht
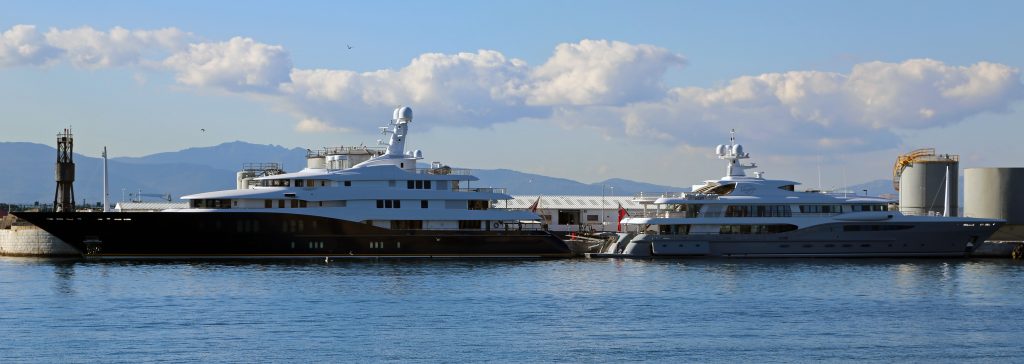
x,y
382,206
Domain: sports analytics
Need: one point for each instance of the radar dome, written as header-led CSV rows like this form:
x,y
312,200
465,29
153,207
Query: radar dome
x,y
403,113
737,149
720,149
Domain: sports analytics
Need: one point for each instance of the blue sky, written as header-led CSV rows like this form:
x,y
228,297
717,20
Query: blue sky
x,y
584,90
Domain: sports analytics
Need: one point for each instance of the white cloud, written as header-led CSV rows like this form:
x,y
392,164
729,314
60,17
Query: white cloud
x,y
313,125
807,110
240,64
23,45
90,48
612,86
601,72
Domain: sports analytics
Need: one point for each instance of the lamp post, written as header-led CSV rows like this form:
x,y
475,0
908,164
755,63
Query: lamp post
x,y
602,206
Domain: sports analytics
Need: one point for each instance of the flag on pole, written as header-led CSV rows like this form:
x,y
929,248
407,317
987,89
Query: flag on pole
x,y
533,207
622,214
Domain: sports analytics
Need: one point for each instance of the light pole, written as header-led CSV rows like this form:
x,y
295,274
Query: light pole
x,y
602,206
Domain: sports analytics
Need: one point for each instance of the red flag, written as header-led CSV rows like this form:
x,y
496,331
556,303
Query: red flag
x,y
622,214
533,207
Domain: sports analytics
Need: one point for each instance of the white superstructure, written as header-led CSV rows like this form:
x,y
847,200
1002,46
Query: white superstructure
x,y
386,190
743,216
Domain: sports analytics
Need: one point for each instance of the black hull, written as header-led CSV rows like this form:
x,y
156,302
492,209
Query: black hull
x,y
231,234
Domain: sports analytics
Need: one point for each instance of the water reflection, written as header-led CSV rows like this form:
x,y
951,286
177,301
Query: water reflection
x,y
64,277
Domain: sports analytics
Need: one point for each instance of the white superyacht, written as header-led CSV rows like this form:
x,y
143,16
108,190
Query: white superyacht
x,y
744,216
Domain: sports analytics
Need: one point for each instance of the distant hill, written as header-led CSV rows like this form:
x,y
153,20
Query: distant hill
x,y
28,171
227,156
28,174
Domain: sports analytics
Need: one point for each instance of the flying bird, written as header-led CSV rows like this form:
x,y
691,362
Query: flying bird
x,y
349,47
202,130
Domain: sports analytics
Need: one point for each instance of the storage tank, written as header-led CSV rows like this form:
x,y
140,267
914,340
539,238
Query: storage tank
x,y
996,193
920,177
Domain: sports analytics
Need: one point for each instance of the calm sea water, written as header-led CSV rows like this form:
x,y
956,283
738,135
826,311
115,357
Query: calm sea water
x,y
512,311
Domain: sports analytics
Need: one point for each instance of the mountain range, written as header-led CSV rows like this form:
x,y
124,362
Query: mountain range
x,y
28,174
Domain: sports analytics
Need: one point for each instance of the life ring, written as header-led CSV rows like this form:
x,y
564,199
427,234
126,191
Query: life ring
x,y
496,225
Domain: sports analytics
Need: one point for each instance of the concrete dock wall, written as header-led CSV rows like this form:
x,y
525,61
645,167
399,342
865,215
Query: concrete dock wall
x,y
32,241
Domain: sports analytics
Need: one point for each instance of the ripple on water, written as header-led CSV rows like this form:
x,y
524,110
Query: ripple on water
x,y
523,311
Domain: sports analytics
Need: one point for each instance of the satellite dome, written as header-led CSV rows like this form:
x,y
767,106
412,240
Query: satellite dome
x,y
403,113
720,149
737,149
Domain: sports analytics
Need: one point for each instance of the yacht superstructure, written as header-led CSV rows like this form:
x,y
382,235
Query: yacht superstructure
x,y
347,202
743,216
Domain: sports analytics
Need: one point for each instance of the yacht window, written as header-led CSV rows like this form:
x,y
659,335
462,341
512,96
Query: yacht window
x,y
407,224
419,185
280,204
348,183
469,224
410,184
723,189
455,204
323,183
787,187
387,204
592,218
423,204
303,203
426,184
876,227
298,183
380,204
268,204
398,204
295,204
479,204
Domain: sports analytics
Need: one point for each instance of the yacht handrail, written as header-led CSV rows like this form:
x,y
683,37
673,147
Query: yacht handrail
x,y
443,171
501,190
696,196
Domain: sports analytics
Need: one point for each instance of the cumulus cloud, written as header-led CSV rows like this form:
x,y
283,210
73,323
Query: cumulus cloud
x,y
86,47
613,86
796,111
240,64
313,125
90,48
601,72
23,45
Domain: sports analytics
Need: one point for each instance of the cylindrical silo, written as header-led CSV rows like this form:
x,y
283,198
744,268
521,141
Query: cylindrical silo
x,y
921,180
996,193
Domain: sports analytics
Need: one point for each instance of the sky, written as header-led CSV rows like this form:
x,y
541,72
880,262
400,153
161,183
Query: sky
x,y
642,90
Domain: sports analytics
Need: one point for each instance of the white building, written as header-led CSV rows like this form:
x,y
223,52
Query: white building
x,y
565,213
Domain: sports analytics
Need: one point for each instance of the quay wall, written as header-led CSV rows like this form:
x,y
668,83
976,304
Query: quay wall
x,y
32,241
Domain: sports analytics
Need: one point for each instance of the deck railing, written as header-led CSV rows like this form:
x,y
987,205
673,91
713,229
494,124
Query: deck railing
x,y
501,190
444,171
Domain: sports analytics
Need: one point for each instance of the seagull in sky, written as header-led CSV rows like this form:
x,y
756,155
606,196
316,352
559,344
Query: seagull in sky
x,y
202,130
349,47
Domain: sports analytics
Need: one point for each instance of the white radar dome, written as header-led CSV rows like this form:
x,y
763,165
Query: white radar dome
x,y
737,149
403,113
720,149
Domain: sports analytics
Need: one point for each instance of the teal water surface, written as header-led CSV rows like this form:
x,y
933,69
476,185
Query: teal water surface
x,y
512,311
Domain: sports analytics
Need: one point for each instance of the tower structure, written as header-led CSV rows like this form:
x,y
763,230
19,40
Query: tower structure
x,y
64,196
